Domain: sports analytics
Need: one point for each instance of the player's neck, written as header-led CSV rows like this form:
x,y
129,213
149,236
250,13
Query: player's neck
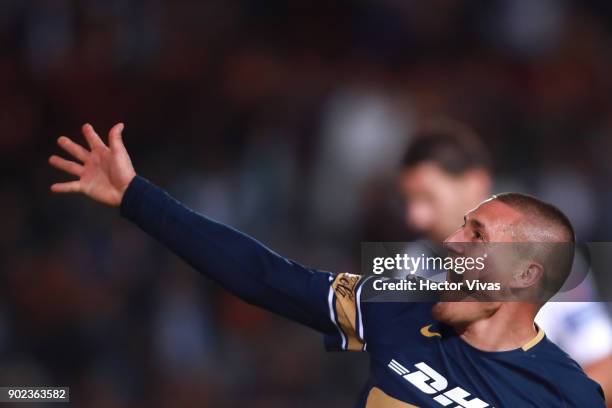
x,y
509,328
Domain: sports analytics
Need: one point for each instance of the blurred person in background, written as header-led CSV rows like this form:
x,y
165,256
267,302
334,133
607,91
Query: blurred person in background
x,y
446,172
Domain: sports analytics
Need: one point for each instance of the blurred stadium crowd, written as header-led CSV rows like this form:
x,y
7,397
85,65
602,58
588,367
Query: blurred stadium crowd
x,y
286,120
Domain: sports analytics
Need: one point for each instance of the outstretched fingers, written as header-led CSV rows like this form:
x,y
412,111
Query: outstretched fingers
x,y
115,138
77,151
68,166
93,140
67,187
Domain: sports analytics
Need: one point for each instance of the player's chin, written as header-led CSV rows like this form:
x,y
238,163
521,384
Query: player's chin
x,y
442,311
456,312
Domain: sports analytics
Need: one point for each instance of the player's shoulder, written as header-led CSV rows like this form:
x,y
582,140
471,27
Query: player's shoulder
x,y
391,319
566,375
547,354
365,319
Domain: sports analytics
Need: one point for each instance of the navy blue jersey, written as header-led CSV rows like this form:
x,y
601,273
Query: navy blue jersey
x,y
415,361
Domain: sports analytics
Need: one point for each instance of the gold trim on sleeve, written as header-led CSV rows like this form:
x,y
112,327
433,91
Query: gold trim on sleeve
x,y
344,286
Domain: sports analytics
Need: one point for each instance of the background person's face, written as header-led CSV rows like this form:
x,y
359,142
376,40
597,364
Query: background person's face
x,y
436,200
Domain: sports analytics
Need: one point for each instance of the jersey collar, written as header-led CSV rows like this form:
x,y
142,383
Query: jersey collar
x,y
438,329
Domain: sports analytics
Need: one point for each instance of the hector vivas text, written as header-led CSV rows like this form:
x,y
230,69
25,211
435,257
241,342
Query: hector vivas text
x,y
411,265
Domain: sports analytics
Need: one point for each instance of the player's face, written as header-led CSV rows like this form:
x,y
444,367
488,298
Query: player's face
x,y
436,200
491,222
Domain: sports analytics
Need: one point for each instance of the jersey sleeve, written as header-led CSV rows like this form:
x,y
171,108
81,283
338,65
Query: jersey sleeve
x,y
365,320
327,302
239,263
345,311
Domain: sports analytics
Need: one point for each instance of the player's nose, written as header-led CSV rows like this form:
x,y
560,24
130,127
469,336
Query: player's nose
x,y
455,243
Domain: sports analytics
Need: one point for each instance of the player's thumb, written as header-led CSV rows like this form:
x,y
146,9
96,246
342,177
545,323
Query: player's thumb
x,y
115,137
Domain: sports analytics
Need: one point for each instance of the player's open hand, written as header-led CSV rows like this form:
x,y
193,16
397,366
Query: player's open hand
x,y
104,172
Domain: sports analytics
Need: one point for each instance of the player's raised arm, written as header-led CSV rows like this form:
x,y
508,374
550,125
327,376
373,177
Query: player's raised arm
x,y
104,172
236,261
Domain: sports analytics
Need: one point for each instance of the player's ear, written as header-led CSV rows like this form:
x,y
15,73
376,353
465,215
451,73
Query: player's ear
x,y
528,276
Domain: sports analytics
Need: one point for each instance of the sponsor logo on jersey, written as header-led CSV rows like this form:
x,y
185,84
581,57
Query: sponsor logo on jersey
x,y
429,381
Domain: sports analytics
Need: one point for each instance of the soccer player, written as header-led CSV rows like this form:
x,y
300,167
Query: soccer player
x,y
464,354
445,173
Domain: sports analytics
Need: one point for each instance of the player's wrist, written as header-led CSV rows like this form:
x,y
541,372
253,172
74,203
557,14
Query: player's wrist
x,y
122,190
133,196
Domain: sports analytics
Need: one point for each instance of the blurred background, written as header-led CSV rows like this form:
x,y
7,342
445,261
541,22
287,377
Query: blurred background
x,y
286,120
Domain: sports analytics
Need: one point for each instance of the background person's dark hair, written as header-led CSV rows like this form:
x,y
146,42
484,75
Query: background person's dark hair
x,y
452,145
